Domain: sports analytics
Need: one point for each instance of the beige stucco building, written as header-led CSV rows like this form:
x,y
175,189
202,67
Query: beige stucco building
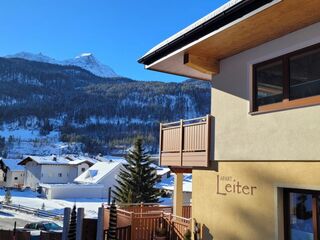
x,y
255,159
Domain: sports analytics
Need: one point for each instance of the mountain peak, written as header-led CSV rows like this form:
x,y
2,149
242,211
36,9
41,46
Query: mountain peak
x,y
86,61
33,57
84,55
89,62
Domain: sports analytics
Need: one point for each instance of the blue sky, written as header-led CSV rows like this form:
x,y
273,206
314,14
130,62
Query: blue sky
x,y
118,32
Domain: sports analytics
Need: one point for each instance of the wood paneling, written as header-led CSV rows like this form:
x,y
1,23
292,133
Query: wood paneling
x,y
274,22
202,64
195,159
170,139
185,143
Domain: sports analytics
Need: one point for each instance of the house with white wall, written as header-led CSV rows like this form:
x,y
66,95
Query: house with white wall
x,y
11,174
93,183
104,173
52,169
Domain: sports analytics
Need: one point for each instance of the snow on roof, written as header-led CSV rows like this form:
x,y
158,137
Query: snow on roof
x,y
12,164
107,158
168,184
160,170
69,185
75,160
57,160
211,15
97,172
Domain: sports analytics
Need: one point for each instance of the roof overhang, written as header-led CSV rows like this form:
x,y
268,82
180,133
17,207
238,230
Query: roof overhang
x,y
25,161
197,51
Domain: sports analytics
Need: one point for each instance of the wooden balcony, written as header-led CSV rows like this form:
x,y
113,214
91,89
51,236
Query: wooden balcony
x,y
186,143
140,221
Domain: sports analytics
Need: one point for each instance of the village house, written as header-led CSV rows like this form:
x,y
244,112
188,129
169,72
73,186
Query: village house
x,y
53,169
11,174
255,159
92,183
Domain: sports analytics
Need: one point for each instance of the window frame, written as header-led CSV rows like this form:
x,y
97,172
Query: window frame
x,y
286,103
286,210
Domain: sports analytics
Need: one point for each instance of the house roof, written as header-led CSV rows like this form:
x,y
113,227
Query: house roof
x,y
168,184
237,26
188,34
57,160
12,164
75,160
97,172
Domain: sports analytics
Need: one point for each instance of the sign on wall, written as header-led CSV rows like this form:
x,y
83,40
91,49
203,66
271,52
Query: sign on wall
x,y
229,185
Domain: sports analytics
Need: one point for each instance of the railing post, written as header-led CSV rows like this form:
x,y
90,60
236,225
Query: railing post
x,y
208,135
66,220
160,144
80,216
100,224
132,226
181,142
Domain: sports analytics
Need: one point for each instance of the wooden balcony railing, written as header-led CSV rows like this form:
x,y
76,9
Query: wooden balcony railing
x,y
186,143
139,222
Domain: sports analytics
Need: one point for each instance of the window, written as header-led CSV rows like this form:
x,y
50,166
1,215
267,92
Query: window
x,y
60,174
289,81
305,74
15,178
83,169
301,214
269,83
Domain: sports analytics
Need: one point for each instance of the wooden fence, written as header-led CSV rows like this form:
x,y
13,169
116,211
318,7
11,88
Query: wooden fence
x,y
8,235
89,229
50,236
144,220
34,211
24,235
122,233
143,208
176,226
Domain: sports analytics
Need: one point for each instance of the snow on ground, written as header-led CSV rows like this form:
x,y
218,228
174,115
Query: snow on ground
x,y
30,199
9,217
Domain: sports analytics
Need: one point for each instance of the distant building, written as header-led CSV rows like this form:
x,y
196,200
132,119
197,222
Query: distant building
x,y
11,174
167,186
163,173
53,169
93,183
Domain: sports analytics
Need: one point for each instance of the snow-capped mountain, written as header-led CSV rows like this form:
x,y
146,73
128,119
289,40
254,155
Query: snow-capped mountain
x,y
33,57
86,61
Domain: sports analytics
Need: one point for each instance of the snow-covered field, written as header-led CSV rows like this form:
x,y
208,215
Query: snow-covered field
x,y
9,217
30,199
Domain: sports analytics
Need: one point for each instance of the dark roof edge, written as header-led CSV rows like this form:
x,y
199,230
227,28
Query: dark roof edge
x,y
229,15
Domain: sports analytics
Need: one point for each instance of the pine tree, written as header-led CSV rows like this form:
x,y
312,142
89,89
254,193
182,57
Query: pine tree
x,y
137,178
43,207
7,197
112,222
73,224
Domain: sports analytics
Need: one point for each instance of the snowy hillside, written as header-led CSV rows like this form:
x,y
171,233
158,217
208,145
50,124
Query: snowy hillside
x,y
86,61
43,106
